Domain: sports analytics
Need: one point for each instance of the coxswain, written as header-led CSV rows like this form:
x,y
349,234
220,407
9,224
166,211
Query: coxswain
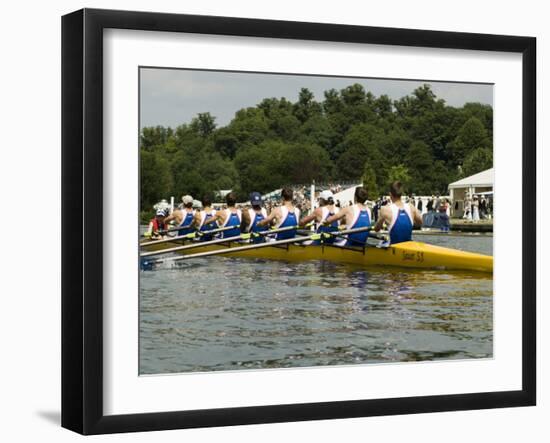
x,y
283,216
183,216
325,210
206,213
253,216
399,217
355,216
228,218
157,225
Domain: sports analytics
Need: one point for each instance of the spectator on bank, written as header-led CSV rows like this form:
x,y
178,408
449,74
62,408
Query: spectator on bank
x,y
467,209
444,215
437,203
430,205
483,208
475,209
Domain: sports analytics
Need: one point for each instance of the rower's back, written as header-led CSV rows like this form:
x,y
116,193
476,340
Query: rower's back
x,y
359,217
289,216
327,209
207,213
401,225
187,215
255,215
232,217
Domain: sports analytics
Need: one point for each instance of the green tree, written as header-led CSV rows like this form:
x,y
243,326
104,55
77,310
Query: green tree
x,y
399,173
472,135
353,95
306,107
383,106
350,135
419,161
250,126
204,124
361,146
155,179
258,168
333,103
154,137
369,181
478,160
302,163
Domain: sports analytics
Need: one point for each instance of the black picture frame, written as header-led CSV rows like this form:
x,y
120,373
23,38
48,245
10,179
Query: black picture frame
x,y
82,190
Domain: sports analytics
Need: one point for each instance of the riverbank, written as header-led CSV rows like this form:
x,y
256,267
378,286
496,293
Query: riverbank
x,y
458,224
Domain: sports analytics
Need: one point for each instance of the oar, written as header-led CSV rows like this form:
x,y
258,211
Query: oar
x,y
189,236
165,231
245,236
259,245
454,233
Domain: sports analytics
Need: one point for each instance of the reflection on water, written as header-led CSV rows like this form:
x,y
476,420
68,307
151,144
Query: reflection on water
x,y
221,313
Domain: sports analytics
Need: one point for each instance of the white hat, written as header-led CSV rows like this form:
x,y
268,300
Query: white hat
x,y
187,199
197,204
326,195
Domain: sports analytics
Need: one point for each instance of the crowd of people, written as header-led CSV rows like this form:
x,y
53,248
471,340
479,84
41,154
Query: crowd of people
x,y
477,208
260,217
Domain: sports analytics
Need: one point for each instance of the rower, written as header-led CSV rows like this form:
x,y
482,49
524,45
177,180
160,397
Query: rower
x,y
399,217
201,216
284,216
230,217
183,216
355,216
325,210
157,225
253,216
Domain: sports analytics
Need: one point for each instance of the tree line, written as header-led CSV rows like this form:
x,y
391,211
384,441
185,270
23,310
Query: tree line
x,y
350,135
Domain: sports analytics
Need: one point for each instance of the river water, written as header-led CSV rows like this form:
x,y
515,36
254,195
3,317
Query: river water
x,y
221,313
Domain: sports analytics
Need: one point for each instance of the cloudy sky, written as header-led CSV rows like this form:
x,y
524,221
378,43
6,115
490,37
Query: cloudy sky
x,y
170,97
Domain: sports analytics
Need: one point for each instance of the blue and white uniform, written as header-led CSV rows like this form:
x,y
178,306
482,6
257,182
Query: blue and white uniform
x,y
288,218
210,226
326,213
401,225
187,220
233,220
255,218
361,219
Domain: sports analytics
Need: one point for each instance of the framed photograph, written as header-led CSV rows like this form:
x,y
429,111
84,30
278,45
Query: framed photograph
x,y
269,221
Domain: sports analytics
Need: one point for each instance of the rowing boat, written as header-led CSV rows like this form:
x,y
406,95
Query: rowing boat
x,y
411,254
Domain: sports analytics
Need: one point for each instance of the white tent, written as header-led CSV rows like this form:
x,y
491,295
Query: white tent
x,y
478,184
483,179
345,196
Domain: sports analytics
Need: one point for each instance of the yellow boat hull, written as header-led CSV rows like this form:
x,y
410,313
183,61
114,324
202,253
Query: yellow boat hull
x,y
411,254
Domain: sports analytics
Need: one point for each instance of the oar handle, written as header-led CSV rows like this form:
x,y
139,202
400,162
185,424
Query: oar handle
x,y
316,236
189,236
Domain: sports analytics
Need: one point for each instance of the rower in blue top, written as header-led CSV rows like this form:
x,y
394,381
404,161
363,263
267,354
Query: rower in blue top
x,y
355,216
286,215
201,216
325,210
228,218
399,217
183,216
253,216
